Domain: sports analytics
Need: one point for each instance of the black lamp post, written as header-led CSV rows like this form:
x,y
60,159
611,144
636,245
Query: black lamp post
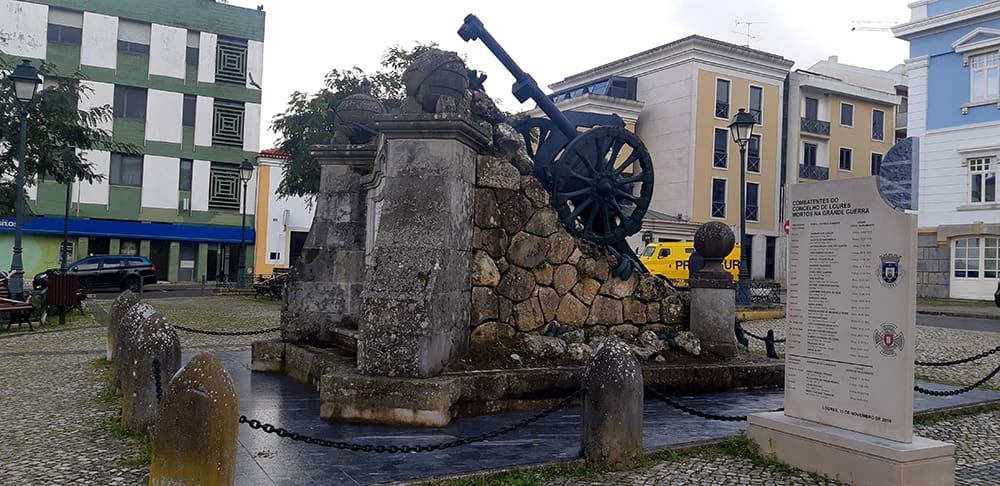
x,y
246,172
26,81
742,129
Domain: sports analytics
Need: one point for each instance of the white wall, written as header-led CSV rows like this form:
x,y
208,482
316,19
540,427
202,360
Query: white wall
x,y
97,192
160,176
164,116
251,127
200,170
255,63
300,216
100,41
944,180
98,94
206,57
167,51
23,29
203,120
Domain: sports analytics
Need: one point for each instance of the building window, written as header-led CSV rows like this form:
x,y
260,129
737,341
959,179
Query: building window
x,y
184,182
847,114
231,60
65,27
876,163
757,103
753,154
982,180
718,198
224,186
227,124
133,37
845,158
985,69
809,154
753,201
812,109
190,110
722,98
130,103
976,258
126,170
193,45
720,151
878,125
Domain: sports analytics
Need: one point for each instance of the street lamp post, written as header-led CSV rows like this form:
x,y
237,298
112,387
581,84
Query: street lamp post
x,y
26,81
742,129
246,172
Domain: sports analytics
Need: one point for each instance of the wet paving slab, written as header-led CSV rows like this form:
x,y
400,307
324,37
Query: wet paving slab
x,y
266,459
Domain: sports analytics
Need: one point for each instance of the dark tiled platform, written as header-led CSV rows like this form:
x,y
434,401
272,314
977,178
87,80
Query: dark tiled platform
x,y
266,459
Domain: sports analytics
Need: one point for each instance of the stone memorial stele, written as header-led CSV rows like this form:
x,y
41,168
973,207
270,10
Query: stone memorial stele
x,y
119,307
123,335
198,426
153,339
851,335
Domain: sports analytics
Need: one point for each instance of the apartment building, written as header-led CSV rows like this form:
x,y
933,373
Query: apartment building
x,y
282,222
954,77
184,78
680,98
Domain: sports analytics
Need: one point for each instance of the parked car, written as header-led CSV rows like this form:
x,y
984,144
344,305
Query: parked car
x,y
107,272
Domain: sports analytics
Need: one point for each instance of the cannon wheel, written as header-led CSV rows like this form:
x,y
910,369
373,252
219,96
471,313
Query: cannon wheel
x,y
603,185
543,142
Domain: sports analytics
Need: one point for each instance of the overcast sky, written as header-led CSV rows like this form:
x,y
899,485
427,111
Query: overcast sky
x,y
551,40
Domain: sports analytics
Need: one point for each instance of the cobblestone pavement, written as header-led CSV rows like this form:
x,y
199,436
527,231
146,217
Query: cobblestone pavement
x,y
52,431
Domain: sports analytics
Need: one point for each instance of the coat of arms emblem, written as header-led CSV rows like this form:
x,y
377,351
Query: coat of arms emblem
x,y
889,271
889,339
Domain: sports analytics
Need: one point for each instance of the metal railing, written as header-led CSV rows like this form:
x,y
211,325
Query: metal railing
x,y
818,127
814,172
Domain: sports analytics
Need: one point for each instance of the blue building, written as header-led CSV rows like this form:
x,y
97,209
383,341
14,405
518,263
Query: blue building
x,y
954,107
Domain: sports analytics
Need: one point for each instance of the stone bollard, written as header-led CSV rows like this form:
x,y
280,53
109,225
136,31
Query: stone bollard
x,y
612,407
196,432
153,339
713,294
126,327
119,307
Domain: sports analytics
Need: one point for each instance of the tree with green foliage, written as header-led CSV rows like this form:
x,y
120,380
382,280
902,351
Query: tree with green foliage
x,y
308,120
59,133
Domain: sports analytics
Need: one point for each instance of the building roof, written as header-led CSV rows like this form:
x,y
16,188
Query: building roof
x,y
273,153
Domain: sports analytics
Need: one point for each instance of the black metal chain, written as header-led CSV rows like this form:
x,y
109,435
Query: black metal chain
x,y
957,391
759,338
959,361
156,377
227,333
699,413
395,449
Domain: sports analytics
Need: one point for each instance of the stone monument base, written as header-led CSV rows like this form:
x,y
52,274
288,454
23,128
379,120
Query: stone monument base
x,y
852,457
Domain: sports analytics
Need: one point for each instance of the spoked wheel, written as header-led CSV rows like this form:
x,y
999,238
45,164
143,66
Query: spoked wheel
x,y
544,142
603,185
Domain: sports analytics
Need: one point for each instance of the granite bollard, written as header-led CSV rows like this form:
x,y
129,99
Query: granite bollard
x,y
713,292
123,335
612,406
196,432
119,307
152,340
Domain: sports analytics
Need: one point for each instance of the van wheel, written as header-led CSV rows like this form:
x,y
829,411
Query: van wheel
x,y
131,283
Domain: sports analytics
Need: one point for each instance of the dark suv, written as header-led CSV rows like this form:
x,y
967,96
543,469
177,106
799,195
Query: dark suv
x,y
107,272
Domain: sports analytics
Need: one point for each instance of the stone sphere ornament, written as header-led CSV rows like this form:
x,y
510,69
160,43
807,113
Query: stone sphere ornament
x,y
354,117
714,240
433,75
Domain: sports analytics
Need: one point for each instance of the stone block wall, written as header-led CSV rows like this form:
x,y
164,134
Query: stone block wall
x,y
933,267
529,273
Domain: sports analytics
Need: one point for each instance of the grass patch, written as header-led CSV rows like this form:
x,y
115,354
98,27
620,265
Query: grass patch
x,y
933,418
109,399
957,302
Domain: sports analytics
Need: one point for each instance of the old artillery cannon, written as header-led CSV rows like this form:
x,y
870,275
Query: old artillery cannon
x,y
601,179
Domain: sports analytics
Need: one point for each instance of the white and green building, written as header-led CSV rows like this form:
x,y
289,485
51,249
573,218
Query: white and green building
x,y
184,78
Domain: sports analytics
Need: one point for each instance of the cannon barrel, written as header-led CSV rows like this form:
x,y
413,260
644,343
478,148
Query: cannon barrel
x,y
524,85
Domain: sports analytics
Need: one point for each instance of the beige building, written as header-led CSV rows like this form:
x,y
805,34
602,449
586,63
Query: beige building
x,y
681,98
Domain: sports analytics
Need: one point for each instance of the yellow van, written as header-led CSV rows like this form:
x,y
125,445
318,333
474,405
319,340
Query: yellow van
x,y
670,260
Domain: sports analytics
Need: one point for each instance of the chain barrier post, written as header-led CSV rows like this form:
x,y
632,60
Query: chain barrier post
x,y
769,344
198,448
740,335
612,407
154,351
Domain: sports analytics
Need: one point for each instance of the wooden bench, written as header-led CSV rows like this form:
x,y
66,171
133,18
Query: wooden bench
x,y
18,310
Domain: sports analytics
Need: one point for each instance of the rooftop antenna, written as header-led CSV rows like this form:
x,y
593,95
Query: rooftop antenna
x,y
747,34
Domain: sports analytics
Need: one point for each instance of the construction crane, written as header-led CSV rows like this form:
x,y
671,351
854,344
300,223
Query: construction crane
x,y
747,34
872,25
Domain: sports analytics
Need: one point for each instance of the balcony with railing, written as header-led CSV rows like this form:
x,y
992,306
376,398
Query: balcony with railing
x,y
814,172
818,127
